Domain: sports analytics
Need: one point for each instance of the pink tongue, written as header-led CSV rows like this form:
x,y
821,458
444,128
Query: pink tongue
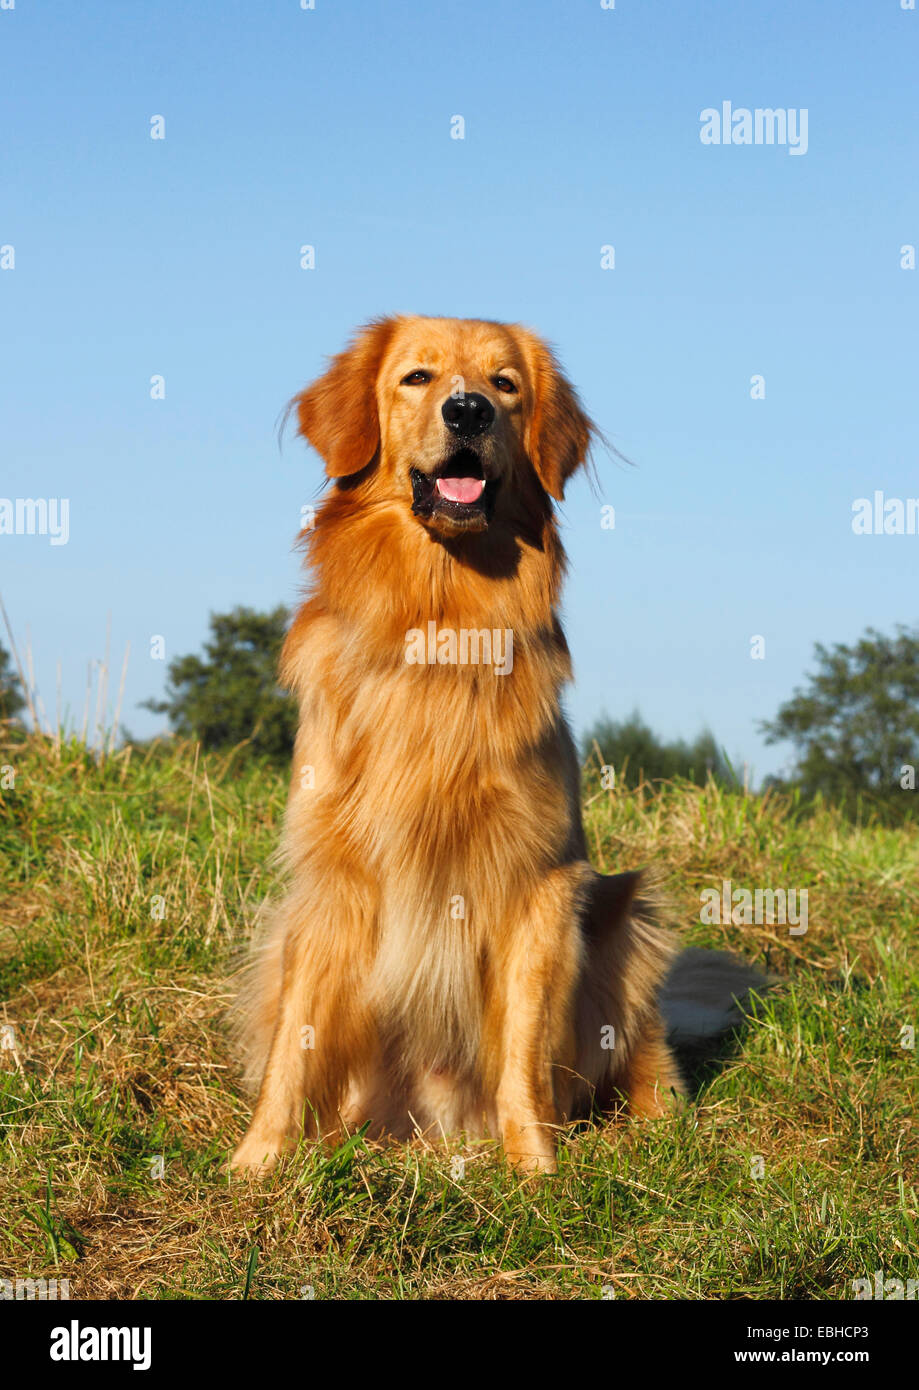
x,y
461,489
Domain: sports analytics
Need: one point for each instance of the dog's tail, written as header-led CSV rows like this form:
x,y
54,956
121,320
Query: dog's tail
x,y
705,996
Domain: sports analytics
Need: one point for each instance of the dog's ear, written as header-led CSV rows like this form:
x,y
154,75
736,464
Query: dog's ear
x,y
338,413
558,432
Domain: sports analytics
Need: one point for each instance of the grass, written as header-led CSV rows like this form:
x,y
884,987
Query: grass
x,y
128,889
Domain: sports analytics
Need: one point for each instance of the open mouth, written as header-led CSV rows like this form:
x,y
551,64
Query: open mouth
x,y
458,491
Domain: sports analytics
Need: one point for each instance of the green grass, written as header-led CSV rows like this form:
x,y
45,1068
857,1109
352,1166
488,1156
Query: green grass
x,y
128,890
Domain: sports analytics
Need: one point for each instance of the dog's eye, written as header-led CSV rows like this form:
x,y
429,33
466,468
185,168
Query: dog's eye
x,y
416,378
504,383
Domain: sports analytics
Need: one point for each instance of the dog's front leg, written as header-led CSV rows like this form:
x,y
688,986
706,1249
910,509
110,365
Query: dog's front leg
x,y
323,1033
535,987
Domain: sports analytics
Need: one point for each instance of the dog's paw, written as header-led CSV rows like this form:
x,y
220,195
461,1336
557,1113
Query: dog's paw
x,y
529,1164
530,1149
654,1102
255,1157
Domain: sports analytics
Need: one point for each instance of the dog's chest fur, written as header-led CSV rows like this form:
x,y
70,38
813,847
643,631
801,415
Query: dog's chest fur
x,y
437,779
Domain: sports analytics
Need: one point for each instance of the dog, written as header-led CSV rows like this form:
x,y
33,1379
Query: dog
x,y
446,959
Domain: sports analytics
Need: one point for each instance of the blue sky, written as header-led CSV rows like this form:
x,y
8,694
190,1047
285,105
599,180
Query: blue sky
x,y
331,127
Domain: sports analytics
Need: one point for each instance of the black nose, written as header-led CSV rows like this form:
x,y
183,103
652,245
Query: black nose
x,y
468,415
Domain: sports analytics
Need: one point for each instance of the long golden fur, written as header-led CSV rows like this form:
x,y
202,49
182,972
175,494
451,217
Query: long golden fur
x,y
446,959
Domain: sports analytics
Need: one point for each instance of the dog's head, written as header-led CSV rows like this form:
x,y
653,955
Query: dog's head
x,y
456,418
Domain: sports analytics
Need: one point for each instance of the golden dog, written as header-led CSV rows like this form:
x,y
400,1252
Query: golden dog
x,y
446,959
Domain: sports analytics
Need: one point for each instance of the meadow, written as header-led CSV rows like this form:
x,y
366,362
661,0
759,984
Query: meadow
x,y
129,886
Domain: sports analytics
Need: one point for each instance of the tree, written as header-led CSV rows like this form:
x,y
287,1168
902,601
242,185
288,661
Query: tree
x,y
232,694
855,727
634,752
11,697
